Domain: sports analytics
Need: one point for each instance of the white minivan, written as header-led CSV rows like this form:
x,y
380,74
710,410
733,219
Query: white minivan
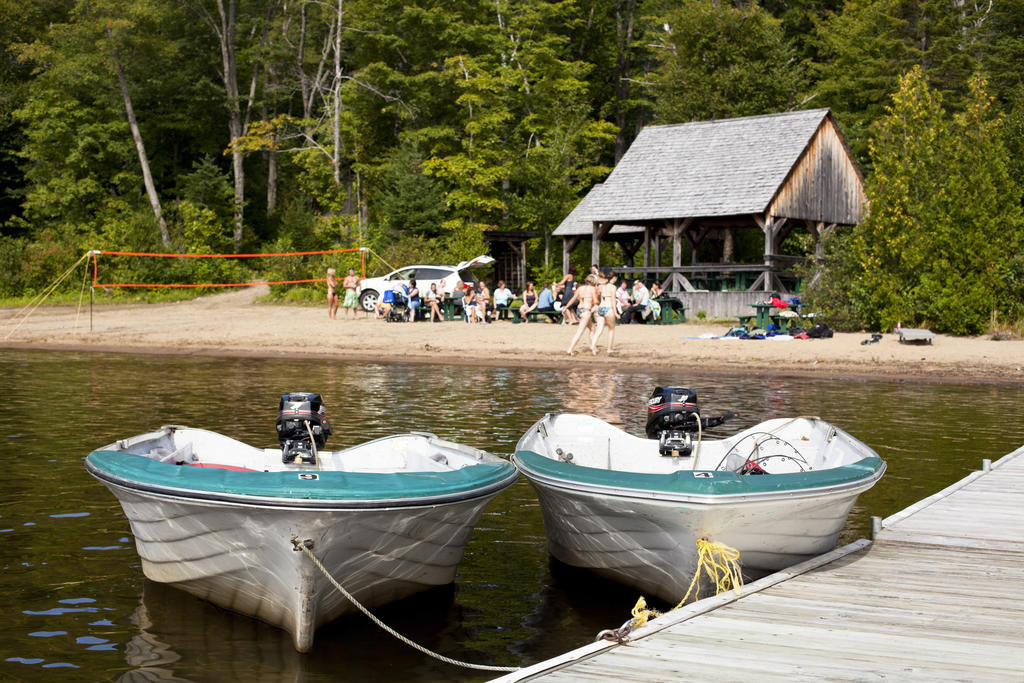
x,y
447,278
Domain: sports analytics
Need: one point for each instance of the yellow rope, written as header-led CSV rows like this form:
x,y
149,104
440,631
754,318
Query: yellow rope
x,y
299,545
722,566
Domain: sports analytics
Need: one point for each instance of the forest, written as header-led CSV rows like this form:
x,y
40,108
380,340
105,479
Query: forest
x,y
411,126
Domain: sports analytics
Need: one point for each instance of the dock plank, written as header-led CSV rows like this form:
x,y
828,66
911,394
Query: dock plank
x,y
939,596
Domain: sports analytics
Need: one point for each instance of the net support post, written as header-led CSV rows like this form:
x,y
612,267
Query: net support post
x,y
876,526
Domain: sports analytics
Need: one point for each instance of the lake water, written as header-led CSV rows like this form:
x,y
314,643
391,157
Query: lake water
x,y
75,605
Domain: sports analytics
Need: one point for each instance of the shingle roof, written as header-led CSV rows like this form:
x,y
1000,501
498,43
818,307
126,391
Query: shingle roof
x,y
702,169
580,222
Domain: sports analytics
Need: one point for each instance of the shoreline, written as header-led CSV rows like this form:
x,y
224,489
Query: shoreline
x,y
236,325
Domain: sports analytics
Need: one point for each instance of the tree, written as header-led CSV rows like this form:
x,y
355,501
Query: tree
x,y
945,224
222,21
718,60
528,129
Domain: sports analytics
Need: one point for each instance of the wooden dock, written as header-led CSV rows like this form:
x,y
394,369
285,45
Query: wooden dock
x,y
938,595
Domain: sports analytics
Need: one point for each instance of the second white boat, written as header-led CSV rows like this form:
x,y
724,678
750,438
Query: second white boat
x,y
632,509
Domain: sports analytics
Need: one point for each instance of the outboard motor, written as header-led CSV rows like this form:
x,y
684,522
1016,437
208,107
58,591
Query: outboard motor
x,y
302,427
673,416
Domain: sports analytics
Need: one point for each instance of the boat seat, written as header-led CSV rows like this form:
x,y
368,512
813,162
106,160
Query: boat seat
x,y
183,454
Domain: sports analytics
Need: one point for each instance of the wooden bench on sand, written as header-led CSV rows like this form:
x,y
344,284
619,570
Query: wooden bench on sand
x,y
534,315
910,335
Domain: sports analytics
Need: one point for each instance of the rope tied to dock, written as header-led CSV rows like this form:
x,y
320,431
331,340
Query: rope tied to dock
x,y
722,566
305,548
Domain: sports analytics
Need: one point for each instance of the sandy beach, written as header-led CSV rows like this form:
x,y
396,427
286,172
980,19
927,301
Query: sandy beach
x,y
238,324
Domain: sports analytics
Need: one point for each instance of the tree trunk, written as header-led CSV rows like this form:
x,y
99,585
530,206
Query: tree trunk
x,y
336,124
271,182
624,33
147,175
230,75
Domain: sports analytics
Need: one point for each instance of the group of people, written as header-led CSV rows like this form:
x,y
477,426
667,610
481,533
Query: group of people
x,y
478,300
351,286
599,303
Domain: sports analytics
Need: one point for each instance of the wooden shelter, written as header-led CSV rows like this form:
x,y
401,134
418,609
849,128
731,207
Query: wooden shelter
x,y
508,247
704,180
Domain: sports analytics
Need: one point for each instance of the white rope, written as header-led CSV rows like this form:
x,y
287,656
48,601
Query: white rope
x,y
32,305
312,442
483,667
81,295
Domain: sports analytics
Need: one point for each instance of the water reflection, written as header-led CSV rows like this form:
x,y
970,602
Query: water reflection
x,y
69,570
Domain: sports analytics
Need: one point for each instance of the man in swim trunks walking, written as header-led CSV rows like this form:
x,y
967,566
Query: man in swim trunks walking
x,y
351,284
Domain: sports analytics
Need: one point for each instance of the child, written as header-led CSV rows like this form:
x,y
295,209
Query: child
x,y
332,294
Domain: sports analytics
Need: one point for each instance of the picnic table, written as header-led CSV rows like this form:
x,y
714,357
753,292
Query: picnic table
x,y
763,317
672,311
448,307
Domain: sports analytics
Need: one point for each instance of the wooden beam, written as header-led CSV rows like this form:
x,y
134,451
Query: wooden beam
x,y
629,247
600,231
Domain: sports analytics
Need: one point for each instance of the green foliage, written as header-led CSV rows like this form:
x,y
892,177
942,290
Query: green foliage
x,y
719,60
940,244
409,202
448,119
206,186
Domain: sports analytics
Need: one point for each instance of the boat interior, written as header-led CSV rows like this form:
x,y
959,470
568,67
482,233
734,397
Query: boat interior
x,y
778,446
412,452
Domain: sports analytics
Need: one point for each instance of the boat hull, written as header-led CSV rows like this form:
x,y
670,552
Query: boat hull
x,y
241,557
650,544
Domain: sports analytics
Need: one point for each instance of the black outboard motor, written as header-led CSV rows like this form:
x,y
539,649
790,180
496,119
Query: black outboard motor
x,y
302,427
672,417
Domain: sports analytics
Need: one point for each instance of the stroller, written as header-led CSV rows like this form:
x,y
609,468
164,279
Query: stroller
x,y
399,312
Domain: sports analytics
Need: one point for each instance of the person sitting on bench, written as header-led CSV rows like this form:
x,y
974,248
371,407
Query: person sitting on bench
x,y
640,302
529,301
546,300
502,297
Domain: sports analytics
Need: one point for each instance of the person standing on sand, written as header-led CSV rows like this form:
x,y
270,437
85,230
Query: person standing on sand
x,y
568,285
586,295
606,315
332,294
351,285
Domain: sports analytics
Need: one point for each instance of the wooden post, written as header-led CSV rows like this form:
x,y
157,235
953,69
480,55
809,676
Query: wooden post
x,y
647,246
600,231
568,244
767,225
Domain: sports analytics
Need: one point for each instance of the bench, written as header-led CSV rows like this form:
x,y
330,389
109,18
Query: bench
x,y
910,335
534,315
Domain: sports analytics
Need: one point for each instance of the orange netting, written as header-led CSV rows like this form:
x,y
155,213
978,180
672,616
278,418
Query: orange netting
x,y
96,252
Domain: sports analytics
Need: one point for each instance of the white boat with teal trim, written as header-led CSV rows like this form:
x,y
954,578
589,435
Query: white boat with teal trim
x,y
632,509
217,517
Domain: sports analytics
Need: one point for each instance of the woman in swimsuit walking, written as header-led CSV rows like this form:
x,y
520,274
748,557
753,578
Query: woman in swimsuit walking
x,y
586,295
606,313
